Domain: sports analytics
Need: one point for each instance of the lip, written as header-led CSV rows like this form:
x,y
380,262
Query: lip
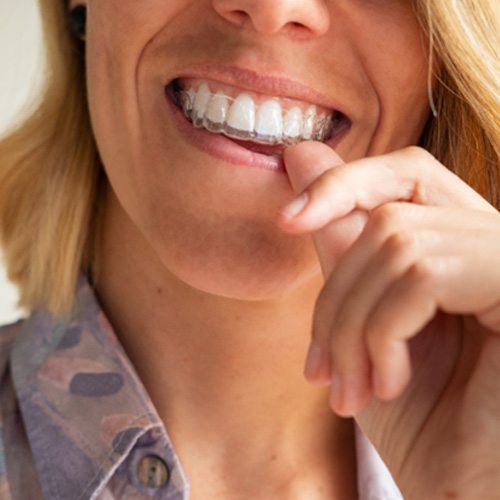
x,y
256,81
220,146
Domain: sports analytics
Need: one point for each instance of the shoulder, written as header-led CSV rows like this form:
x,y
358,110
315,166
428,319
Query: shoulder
x,y
8,334
15,452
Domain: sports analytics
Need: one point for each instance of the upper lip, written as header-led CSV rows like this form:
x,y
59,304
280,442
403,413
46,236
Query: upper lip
x,y
253,80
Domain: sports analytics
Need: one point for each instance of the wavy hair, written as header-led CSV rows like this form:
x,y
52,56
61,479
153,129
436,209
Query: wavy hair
x,y
52,180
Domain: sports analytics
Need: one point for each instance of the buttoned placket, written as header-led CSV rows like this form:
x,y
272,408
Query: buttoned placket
x,y
153,468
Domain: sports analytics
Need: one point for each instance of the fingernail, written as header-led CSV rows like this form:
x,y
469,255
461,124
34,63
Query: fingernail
x,y
336,393
353,393
313,361
296,206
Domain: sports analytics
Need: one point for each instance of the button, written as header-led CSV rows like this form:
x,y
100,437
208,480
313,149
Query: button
x,y
152,471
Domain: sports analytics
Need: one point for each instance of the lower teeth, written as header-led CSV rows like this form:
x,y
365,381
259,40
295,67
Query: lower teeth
x,y
320,130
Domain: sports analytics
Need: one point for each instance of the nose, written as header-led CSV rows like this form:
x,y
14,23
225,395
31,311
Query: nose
x,y
301,17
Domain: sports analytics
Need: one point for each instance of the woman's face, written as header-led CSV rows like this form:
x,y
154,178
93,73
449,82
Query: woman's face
x,y
205,204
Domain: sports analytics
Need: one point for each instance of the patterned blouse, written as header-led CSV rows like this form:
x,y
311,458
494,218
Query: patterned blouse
x,y
77,423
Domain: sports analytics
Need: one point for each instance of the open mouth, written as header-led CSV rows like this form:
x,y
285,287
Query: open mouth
x,y
262,124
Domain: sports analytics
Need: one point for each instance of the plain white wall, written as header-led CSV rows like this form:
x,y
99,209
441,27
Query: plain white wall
x,y
20,69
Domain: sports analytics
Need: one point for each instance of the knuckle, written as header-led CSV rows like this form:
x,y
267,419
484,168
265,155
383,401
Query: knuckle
x,y
400,244
423,270
341,320
418,152
321,188
335,175
326,179
419,155
385,217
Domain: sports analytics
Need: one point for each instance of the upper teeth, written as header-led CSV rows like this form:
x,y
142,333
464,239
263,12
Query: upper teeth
x,y
241,118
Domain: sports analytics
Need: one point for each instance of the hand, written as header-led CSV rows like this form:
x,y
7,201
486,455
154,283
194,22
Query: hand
x,y
407,326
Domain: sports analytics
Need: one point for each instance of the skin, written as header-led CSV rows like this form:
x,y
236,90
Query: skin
x,y
406,327
218,310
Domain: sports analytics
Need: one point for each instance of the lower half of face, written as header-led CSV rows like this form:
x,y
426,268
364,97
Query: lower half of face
x,y
191,135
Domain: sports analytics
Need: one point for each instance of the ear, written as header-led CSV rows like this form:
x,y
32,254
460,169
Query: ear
x,y
77,18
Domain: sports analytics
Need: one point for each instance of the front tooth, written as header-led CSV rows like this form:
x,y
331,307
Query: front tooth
x,y
270,119
201,103
309,120
241,115
292,123
191,95
217,111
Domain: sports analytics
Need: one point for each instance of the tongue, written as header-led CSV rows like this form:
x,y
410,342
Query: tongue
x,y
261,148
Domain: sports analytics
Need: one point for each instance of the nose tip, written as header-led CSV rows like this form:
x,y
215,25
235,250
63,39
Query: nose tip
x,y
270,17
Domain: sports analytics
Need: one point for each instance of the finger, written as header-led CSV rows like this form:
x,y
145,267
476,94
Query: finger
x,y
385,221
490,317
349,355
398,222
382,224
404,310
395,232
364,275
351,385
410,175
399,227
439,263
350,361
305,162
433,281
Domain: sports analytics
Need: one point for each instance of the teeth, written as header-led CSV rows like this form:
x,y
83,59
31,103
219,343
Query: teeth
x,y
292,122
201,103
191,94
240,118
241,115
269,124
309,121
215,115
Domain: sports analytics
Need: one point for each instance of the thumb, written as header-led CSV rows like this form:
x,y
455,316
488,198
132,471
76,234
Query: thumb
x,y
304,163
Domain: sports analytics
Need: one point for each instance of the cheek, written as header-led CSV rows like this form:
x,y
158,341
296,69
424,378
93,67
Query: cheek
x,y
234,258
118,35
394,54
216,235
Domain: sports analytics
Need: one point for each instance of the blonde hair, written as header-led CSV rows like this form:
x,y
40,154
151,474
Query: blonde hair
x,y
52,181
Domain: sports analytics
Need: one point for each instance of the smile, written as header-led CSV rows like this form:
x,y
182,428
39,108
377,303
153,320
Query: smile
x,y
249,116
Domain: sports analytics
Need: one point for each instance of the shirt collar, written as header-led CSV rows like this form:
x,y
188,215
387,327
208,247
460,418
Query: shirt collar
x,y
85,408
82,402
374,479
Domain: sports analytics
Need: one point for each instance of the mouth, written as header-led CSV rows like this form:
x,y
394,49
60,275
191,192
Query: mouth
x,y
260,123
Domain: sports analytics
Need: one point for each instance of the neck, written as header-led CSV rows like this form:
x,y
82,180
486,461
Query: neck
x,y
219,371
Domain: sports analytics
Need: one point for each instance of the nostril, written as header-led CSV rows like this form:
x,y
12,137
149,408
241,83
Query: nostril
x,y
237,17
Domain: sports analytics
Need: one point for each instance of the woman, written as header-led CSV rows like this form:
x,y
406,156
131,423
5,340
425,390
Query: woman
x,y
206,236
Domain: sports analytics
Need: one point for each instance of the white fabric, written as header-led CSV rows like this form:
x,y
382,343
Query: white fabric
x,y
374,479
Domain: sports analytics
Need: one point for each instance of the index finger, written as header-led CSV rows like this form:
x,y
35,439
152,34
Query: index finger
x,y
411,174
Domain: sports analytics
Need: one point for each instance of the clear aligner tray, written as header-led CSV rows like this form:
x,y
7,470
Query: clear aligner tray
x,y
321,130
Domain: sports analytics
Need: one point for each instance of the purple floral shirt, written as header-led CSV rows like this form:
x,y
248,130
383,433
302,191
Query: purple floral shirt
x,y
77,423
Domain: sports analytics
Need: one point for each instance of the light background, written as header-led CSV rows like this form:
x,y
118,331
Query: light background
x,y
20,73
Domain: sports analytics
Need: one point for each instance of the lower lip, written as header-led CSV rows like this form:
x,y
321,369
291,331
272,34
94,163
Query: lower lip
x,y
223,148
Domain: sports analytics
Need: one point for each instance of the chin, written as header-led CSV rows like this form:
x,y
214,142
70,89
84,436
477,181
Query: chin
x,y
242,287
233,272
